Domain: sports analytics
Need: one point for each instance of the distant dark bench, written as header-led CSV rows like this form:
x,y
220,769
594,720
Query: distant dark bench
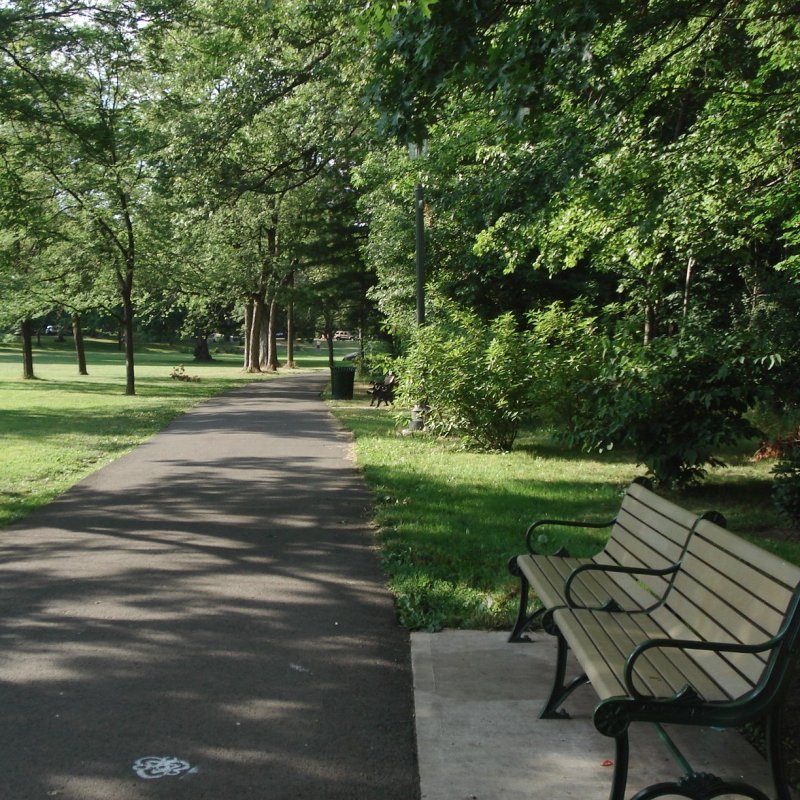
x,y
649,533
717,651
383,391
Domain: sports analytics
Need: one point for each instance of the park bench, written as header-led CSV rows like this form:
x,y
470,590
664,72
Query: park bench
x,y
383,391
648,532
717,651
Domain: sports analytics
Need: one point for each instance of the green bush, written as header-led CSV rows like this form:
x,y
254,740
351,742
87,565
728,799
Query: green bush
x,y
566,353
786,489
676,401
474,379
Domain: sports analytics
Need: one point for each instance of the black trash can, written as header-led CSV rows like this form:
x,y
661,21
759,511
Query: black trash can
x,y
342,380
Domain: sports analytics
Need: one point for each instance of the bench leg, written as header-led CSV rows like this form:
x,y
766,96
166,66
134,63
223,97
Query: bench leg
x,y
699,786
775,757
524,620
693,785
620,780
561,691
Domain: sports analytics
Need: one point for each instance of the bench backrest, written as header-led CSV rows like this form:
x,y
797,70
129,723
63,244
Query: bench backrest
x,y
649,532
729,590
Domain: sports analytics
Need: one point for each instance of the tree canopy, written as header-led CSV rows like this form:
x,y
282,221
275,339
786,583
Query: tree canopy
x,y
622,175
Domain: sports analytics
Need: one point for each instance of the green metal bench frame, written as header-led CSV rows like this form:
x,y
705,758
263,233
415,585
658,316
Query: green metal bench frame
x,y
647,532
747,690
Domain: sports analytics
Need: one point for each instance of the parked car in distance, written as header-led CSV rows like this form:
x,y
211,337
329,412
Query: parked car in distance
x,y
51,330
343,336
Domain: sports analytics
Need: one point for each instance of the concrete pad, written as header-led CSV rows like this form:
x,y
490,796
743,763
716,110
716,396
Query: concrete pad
x,y
479,737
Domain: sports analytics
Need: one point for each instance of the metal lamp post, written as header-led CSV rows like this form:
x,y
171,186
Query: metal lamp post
x,y
419,198
415,151
417,422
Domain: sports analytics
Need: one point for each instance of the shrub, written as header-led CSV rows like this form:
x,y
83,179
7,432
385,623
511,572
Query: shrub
x,y
474,379
786,489
566,353
676,401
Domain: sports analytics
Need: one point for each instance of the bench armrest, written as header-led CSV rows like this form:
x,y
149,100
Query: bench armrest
x,y
616,569
560,522
689,644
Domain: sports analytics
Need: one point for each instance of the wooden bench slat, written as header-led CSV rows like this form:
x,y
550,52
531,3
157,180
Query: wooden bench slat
x,y
731,556
689,599
601,641
734,673
635,547
641,594
691,622
781,570
548,575
583,638
725,592
678,666
663,537
654,512
732,575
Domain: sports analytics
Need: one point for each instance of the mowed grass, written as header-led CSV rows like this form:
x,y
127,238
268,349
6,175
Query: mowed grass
x,y
448,521
62,426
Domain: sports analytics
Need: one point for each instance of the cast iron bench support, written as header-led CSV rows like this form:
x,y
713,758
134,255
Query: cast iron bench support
x,y
649,533
717,651
383,391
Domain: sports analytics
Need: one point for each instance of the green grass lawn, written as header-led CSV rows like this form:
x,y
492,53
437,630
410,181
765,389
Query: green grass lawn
x,y
449,520
62,426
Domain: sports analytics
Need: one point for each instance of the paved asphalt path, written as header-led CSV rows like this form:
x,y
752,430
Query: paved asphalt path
x,y
206,618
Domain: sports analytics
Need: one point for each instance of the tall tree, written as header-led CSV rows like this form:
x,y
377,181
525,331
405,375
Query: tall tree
x,y
267,105
80,112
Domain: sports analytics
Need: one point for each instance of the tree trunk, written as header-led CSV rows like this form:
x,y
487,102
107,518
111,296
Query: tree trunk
x,y
263,344
329,338
290,321
127,305
27,350
328,333
248,322
272,345
290,335
80,350
201,351
690,264
255,336
649,323
269,351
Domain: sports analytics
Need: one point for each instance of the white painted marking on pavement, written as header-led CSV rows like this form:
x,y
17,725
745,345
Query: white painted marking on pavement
x,y
153,767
